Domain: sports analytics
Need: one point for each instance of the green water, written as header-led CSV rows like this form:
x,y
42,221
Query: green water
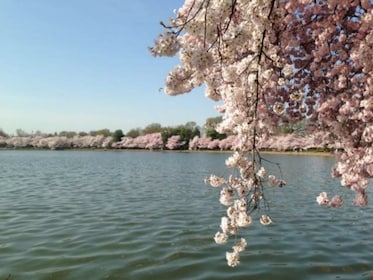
x,y
141,215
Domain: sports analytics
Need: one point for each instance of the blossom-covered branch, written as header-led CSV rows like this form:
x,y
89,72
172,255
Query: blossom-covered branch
x,y
274,63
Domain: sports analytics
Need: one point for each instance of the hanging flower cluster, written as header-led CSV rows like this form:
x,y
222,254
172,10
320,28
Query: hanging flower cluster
x,y
273,63
323,199
243,196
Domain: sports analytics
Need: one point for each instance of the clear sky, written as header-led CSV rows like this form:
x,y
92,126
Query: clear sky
x,y
83,65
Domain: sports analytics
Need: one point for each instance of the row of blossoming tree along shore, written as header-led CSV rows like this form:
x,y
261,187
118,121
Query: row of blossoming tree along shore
x,y
273,62
154,141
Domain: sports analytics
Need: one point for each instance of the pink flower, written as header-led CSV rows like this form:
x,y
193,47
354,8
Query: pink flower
x,y
335,202
361,198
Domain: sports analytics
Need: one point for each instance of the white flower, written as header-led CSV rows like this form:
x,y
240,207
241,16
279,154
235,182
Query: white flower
x,y
221,238
279,108
228,226
296,96
261,172
201,59
243,219
240,246
368,134
240,205
281,81
215,181
256,196
231,212
225,224
166,45
233,160
241,191
322,199
233,258
287,70
272,181
226,196
265,220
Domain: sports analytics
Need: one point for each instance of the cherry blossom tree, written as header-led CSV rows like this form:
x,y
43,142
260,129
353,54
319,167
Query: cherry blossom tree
x,y
124,143
204,142
3,142
153,141
229,143
174,142
273,63
214,144
19,142
193,143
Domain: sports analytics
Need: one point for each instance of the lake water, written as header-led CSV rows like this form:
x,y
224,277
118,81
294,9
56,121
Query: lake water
x,y
148,215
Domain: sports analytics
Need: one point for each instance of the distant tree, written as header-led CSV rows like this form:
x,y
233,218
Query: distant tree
x,y
152,128
214,134
211,123
104,132
298,128
82,133
21,133
210,126
191,125
39,133
3,134
117,135
68,134
196,130
133,133
186,133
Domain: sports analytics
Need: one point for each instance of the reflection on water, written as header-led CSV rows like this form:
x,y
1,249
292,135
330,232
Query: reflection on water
x,y
140,215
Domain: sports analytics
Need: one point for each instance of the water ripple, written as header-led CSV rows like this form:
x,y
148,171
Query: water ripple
x,y
136,215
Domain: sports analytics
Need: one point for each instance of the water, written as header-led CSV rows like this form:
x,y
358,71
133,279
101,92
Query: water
x,y
142,215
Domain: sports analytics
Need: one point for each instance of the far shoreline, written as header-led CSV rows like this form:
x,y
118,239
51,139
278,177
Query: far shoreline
x,y
263,152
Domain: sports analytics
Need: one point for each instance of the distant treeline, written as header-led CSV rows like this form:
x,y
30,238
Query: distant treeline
x,y
73,139
157,141
157,137
187,130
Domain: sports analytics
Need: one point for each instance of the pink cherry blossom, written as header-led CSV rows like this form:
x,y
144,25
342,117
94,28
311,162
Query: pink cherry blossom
x,y
335,202
276,63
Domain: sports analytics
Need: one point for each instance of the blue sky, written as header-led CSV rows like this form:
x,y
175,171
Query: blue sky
x,y
83,65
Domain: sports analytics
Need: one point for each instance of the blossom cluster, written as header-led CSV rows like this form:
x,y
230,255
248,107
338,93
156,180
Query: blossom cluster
x,y
273,63
151,141
242,196
335,202
276,62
